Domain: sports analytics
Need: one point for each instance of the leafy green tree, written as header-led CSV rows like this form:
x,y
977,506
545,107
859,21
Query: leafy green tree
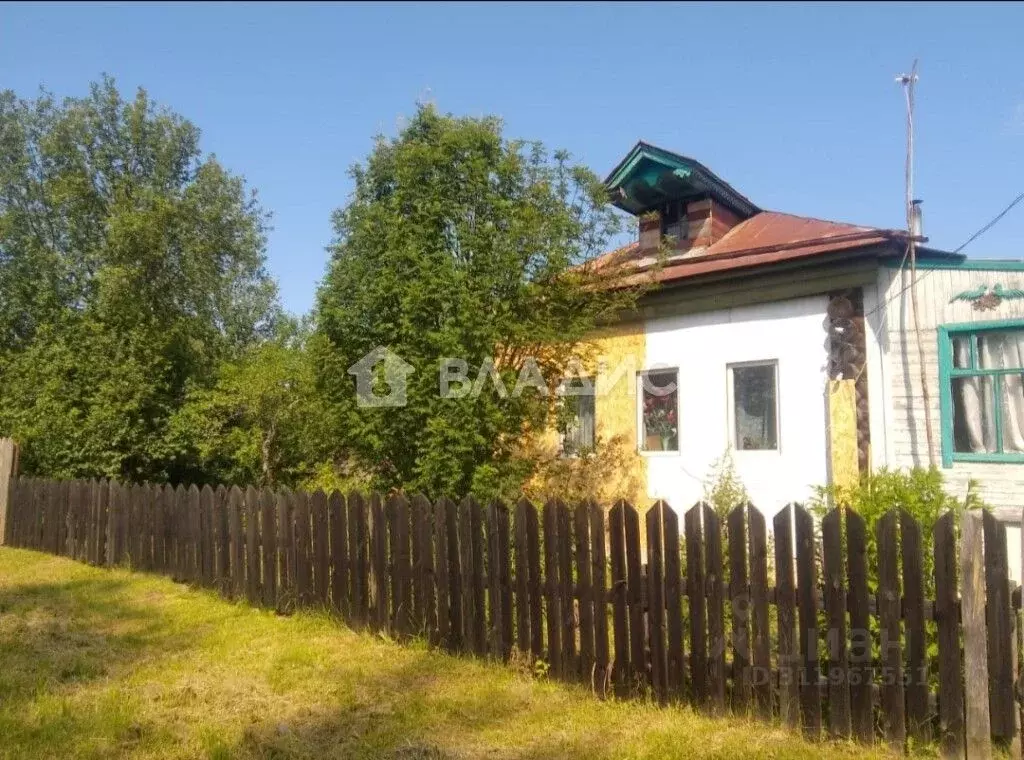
x,y
460,243
131,266
263,422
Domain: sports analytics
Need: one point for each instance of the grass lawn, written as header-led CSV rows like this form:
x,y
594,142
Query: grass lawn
x,y
97,663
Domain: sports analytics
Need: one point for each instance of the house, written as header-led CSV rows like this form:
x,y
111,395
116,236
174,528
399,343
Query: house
x,y
790,341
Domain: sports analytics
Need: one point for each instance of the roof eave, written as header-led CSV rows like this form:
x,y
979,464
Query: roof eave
x,y
716,186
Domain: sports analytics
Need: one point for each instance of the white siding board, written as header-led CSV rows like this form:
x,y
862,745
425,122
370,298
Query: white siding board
x,y
1001,485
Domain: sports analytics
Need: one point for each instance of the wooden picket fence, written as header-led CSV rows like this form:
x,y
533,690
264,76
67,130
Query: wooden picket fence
x,y
705,616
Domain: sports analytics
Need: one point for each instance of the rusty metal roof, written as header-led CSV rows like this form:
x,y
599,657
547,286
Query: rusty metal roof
x,y
766,238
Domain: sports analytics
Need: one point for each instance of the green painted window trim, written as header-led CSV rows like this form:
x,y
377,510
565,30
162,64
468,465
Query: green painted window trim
x,y
947,372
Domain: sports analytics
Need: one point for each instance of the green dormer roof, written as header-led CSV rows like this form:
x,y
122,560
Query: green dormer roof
x,y
649,176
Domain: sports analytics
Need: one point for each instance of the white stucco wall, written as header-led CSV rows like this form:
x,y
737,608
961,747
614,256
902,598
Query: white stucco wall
x,y
701,346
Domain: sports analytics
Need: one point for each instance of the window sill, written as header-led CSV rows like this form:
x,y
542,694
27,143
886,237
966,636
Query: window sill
x,y
990,458
644,452
574,456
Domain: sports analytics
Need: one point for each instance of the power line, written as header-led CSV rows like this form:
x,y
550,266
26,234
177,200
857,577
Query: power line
x,y
885,304
990,225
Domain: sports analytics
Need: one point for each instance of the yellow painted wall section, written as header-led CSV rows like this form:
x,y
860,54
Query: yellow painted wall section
x,y
615,471
842,433
620,352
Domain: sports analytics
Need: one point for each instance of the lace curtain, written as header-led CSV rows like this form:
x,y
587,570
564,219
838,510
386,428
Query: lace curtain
x,y
975,397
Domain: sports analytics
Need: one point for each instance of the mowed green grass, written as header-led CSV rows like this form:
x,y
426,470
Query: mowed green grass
x,y
97,663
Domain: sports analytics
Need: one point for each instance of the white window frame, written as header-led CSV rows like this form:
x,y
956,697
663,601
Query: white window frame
x,y
730,402
640,413
561,392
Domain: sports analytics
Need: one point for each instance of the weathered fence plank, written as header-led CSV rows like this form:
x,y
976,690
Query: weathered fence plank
x,y
442,552
115,528
716,609
807,602
424,614
302,515
321,548
379,563
599,581
972,613
785,600
235,507
195,539
153,527
913,627
999,629
401,565
338,518
552,589
673,605
223,537
71,533
505,581
496,642
696,589
835,612
536,582
285,551
103,547
466,508
739,604
251,516
477,586
137,498
585,594
761,673
565,584
206,500
358,558
268,545
892,699
620,615
53,506
522,576
8,489
947,616
860,671
637,650
456,600
656,601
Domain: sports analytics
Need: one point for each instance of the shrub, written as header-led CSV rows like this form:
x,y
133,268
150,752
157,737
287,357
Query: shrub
x,y
723,489
607,473
921,492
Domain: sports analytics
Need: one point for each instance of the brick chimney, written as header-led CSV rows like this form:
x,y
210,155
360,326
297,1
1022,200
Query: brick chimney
x,y
650,233
707,221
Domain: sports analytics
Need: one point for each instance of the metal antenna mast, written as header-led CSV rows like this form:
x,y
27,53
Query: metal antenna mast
x,y
907,81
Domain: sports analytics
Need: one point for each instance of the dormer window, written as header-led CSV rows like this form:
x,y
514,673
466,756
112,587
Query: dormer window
x,y
673,217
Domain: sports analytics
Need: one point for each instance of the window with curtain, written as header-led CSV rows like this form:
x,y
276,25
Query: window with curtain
x,y
755,416
984,383
659,410
578,419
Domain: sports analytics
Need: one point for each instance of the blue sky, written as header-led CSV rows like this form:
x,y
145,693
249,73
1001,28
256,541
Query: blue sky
x,y
794,105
